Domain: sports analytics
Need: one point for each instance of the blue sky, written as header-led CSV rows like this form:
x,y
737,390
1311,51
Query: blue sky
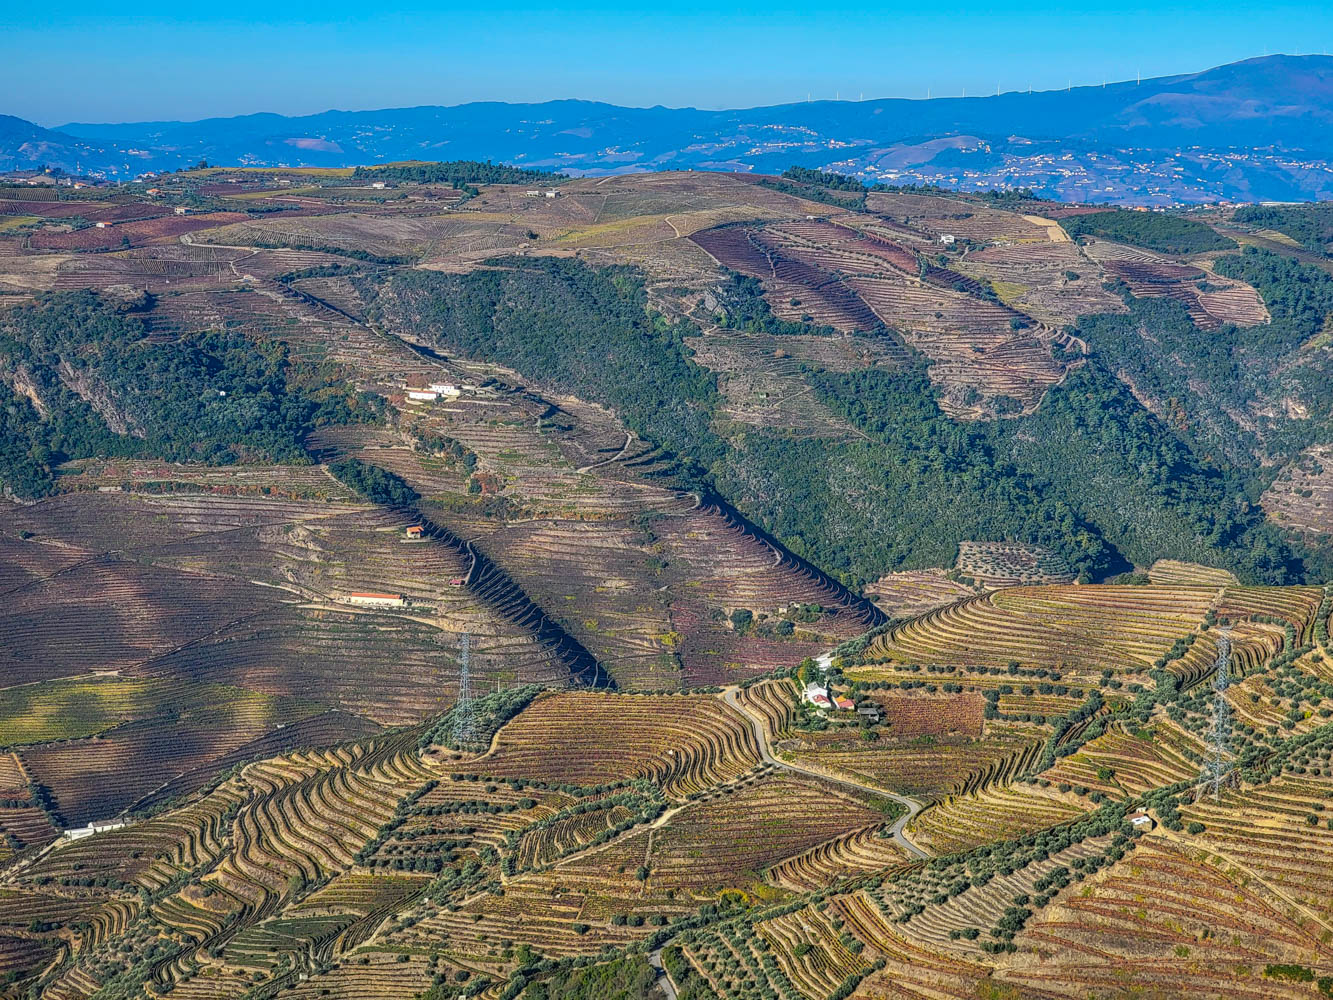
x,y
155,60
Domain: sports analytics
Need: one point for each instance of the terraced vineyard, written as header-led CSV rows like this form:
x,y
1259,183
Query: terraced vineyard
x,y
321,867
1048,281
1123,764
1172,571
905,595
1080,628
853,276
235,757
1302,497
1230,932
1209,299
696,742
965,822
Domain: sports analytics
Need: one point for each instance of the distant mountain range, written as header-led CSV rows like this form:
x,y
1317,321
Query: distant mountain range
x,y
1261,129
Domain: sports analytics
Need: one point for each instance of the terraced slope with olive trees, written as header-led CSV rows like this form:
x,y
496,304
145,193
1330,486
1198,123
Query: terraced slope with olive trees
x,y
744,840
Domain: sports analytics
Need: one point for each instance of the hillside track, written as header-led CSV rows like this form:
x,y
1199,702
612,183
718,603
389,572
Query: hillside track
x,y
912,806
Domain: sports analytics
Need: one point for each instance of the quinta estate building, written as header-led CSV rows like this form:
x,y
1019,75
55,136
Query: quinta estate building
x,y
377,600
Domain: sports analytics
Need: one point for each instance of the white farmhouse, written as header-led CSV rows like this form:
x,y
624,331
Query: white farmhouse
x,y
377,600
817,694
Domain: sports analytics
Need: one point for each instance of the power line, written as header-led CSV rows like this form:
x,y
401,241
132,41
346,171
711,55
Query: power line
x,y
465,722
1217,765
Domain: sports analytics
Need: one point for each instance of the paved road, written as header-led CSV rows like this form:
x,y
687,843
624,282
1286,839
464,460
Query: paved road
x,y
663,980
911,805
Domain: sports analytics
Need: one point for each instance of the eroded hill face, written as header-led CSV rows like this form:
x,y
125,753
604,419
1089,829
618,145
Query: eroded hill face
x,y
272,465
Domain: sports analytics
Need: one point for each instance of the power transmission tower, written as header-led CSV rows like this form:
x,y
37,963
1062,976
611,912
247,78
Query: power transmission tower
x,y
465,722
1218,764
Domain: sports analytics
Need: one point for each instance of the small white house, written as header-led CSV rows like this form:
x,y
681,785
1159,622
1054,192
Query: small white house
x,y
1140,820
946,239
553,193
817,694
424,395
102,225
182,210
445,388
377,185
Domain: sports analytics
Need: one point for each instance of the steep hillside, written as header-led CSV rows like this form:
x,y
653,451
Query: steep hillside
x,y
1037,829
872,378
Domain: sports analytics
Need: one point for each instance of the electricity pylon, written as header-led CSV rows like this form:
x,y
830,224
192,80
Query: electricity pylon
x,y
1217,765
465,722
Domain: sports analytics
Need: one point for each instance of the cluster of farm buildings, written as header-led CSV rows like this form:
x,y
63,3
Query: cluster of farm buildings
x,y
821,695
433,391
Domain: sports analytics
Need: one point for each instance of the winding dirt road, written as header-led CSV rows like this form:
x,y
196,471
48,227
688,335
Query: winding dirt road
x,y
911,805
629,440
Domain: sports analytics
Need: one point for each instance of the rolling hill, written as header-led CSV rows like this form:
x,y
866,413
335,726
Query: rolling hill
x,y
1126,138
